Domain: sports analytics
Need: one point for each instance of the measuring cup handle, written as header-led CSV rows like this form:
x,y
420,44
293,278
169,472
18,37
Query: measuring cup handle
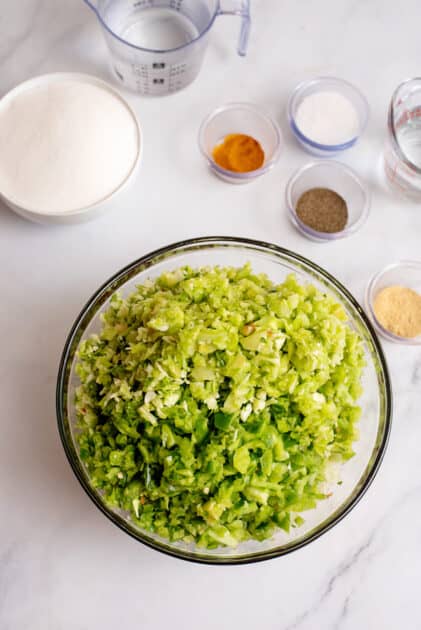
x,y
242,9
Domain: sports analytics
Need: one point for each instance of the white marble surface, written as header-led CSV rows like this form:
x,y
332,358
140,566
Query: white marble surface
x,y
63,565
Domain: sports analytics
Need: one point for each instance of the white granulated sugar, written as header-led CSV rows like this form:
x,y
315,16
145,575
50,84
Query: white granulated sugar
x,y
65,145
327,118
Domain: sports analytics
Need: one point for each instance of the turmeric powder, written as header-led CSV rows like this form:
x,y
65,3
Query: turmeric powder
x,y
239,152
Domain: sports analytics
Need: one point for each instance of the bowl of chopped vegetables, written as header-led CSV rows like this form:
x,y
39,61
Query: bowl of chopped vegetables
x,y
223,400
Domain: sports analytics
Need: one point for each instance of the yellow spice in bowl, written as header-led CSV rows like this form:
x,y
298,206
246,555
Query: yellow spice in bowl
x,y
398,309
239,153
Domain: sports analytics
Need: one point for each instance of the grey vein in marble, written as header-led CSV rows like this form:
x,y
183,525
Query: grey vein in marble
x,y
360,554
11,46
340,573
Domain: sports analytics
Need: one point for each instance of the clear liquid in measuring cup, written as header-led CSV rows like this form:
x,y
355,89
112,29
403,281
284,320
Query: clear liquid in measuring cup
x,y
159,49
159,28
408,134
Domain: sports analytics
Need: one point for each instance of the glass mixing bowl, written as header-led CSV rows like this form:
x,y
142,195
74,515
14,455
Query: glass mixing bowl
x,y
356,474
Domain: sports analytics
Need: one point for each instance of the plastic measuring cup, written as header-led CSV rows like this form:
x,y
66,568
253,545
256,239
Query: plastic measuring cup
x,y
402,157
157,46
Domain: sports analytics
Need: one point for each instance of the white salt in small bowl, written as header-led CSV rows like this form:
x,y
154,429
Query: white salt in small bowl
x,y
340,87
61,214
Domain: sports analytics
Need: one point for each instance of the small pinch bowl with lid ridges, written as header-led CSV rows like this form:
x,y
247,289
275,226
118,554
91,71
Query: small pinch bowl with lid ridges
x,y
335,176
405,273
240,118
322,85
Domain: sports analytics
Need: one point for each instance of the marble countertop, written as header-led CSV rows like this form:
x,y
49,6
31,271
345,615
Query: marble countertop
x,y
63,565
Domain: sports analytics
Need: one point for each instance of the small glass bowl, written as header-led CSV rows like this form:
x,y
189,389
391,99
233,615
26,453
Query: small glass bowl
x,y
246,119
406,273
327,84
335,176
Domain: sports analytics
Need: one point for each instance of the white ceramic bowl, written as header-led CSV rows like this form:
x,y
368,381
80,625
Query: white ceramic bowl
x,y
93,210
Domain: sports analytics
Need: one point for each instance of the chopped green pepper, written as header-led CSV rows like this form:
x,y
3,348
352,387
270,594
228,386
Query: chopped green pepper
x,y
212,402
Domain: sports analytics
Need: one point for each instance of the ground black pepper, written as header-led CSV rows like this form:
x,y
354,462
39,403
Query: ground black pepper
x,y
322,210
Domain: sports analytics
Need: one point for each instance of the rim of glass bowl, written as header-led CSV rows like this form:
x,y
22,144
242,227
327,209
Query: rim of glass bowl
x,y
92,307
